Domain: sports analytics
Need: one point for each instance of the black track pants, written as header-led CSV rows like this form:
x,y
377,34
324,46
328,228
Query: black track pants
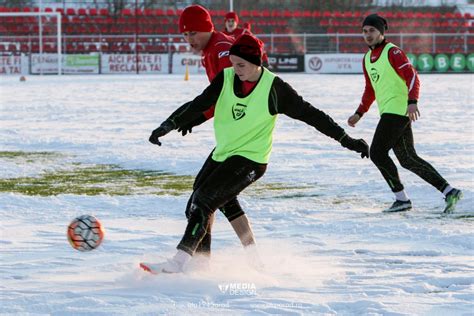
x,y
394,132
218,184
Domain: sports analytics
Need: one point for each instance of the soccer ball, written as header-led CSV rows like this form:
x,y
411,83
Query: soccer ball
x,y
85,233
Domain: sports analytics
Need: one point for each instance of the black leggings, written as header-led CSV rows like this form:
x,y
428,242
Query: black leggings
x,y
394,132
217,186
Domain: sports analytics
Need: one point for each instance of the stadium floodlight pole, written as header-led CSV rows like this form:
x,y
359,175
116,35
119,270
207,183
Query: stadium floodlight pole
x,y
40,14
58,40
136,38
40,29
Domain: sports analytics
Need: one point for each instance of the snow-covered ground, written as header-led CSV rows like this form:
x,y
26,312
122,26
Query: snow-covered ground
x,y
326,246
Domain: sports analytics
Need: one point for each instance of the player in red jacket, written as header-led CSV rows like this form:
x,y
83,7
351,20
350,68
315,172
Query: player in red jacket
x,y
231,25
198,30
231,28
393,82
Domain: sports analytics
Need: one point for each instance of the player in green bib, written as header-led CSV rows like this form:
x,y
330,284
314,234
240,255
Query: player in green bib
x,y
248,98
393,82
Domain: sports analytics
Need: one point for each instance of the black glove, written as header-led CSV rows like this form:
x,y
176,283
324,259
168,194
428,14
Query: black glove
x,y
185,129
188,128
357,145
164,129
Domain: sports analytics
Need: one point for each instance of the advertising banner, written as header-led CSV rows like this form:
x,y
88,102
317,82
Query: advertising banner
x,y
442,62
13,65
132,64
193,61
333,63
71,64
286,63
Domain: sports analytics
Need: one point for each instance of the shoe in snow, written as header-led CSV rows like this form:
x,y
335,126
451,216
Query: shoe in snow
x,y
399,206
170,266
452,199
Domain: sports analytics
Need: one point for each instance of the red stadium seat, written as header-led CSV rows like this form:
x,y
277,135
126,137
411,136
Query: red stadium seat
x,y
159,12
50,48
80,48
12,48
419,15
104,12
148,12
347,14
449,15
93,12
316,14
244,13
255,13
92,48
70,11
276,13
324,23
24,48
126,12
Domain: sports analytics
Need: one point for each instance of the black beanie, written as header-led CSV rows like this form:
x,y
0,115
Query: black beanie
x,y
376,21
249,48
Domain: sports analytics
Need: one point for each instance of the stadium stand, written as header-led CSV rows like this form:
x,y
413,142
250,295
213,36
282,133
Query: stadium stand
x,y
87,30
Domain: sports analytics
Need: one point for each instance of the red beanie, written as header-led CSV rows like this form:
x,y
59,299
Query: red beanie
x,y
249,48
195,19
232,15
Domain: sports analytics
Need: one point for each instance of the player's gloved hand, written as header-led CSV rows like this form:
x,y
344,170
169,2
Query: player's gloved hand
x,y
185,129
357,145
188,127
164,129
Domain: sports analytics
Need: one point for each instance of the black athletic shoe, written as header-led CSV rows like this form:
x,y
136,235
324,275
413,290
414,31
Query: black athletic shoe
x,y
399,206
452,199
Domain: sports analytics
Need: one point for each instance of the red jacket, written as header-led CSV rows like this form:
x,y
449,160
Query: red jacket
x,y
402,66
215,56
237,32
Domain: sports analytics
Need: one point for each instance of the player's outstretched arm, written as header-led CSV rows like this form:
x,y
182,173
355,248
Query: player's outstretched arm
x,y
165,127
358,145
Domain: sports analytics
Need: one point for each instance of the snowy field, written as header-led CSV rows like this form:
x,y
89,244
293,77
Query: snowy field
x,y
326,246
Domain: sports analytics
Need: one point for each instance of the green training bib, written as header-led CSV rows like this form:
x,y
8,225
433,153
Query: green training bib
x,y
244,126
391,91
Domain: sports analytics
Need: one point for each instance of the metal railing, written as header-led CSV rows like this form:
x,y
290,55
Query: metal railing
x,y
274,43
